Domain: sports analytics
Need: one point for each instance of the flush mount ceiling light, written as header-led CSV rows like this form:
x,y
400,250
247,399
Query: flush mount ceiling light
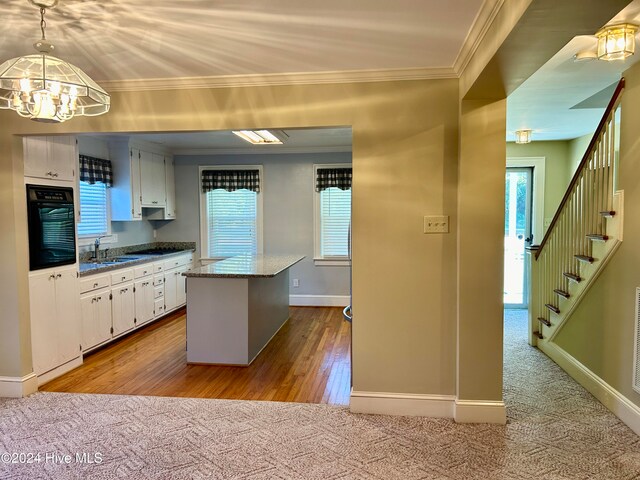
x,y
261,137
46,89
523,136
616,42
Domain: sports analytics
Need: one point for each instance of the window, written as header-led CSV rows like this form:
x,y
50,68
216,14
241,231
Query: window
x,y
231,221
332,216
94,214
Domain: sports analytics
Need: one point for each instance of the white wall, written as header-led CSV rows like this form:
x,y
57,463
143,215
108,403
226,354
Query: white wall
x,y
288,190
128,233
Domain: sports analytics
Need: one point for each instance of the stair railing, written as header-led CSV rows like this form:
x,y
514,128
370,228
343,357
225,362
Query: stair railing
x,y
579,220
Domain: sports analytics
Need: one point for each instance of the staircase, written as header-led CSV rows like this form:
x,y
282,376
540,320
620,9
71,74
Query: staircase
x,y
584,234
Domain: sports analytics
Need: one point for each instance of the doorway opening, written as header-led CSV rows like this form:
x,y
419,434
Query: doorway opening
x,y
308,358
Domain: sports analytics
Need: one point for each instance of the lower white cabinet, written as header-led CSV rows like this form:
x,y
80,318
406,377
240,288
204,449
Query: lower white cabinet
x,y
96,318
116,302
123,312
144,300
170,290
55,318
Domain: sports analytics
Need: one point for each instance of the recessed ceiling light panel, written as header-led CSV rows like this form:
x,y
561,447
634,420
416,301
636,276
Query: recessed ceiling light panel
x,y
259,137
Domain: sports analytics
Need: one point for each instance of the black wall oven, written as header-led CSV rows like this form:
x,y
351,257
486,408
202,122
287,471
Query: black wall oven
x,y
52,228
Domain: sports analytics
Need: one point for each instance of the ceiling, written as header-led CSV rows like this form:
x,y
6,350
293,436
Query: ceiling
x,y
129,39
298,140
566,99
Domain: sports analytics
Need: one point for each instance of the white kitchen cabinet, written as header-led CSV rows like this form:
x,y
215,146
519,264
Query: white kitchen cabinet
x,y
125,193
175,286
96,318
152,180
54,158
170,187
170,290
144,300
55,318
123,314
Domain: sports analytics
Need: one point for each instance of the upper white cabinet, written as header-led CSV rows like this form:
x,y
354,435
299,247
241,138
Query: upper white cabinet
x,y
170,188
152,180
125,191
54,158
141,179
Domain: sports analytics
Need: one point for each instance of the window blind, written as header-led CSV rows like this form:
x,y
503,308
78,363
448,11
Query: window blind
x,y
232,222
335,217
93,209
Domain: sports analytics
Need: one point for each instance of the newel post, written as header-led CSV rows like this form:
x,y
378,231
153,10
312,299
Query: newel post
x,y
532,271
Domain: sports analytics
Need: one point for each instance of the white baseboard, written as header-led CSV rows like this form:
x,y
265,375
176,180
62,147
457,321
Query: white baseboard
x,y
620,406
405,404
58,371
18,387
478,411
319,300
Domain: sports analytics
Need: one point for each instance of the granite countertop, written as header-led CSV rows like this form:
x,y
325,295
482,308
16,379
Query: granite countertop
x,y
126,260
246,266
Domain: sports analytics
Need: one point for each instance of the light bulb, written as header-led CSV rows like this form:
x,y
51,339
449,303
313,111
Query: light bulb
x,y
25,85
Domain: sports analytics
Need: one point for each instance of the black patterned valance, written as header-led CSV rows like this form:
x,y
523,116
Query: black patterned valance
x,y
94,170
333,177
231,180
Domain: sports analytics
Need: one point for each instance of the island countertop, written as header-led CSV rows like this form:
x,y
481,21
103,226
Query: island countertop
x,y
246,266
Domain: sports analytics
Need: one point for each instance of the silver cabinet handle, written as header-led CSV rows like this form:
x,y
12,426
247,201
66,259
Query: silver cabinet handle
x,y
95,285
124,278
59,275
52,276
55,175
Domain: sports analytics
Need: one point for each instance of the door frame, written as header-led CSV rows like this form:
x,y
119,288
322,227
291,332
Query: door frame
x,y
537,165
537,205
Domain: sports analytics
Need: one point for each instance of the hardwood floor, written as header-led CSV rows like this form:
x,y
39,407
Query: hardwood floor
x,y
307,361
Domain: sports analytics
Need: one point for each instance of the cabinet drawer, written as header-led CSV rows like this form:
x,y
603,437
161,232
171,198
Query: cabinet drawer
x,y
143,270
125,275
173,263
158,280
158,267
94,282
158,292
158,307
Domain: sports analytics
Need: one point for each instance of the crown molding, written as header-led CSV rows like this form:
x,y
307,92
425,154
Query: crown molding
x,y
260,150
258,80
485,17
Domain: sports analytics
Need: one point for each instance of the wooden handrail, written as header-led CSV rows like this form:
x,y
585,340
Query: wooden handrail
x,y
583,163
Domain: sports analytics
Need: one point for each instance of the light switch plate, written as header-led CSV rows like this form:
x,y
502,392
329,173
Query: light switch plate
x,y
436,224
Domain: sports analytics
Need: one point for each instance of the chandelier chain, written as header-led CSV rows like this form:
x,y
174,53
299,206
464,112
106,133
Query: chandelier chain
x,y
43,23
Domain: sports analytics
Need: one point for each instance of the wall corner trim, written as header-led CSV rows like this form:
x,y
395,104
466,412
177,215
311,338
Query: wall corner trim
x,y
620,406
18,387
405,404
480,411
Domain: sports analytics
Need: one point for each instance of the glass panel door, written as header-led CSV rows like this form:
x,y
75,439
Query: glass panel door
x,y
517,235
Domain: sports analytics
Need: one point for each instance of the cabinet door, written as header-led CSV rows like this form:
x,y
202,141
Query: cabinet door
x,y
103,317
96,319
144,301
63,159
123,308
68,315
170,290
152,179
89,321
36,153
170,186
136,193
181,287
158,309
42,301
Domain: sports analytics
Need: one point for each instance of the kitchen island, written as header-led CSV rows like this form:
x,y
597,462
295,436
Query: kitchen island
x,y
236,306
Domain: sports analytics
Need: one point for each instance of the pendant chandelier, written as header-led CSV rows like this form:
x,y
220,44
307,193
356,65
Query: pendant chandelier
x,y
46,89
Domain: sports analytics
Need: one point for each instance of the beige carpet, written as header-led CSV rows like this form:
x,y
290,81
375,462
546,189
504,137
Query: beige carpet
x,y
556,430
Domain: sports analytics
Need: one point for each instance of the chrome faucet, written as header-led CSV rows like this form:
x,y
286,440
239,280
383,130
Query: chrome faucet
x,y
96,249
